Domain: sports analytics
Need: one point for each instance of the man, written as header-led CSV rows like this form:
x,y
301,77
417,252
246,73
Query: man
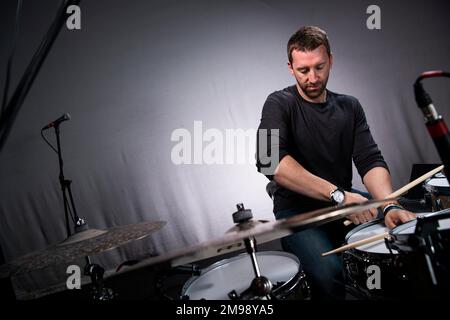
x,y
320,133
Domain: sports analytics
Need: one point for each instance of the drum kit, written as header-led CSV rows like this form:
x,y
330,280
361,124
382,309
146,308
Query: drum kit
x,y
438,192
413,259
398,258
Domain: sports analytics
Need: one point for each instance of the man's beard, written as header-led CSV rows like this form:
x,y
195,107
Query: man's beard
x,y
317,91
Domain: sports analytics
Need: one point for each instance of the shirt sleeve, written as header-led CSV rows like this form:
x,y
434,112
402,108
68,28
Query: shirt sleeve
x,y
272,136
366,154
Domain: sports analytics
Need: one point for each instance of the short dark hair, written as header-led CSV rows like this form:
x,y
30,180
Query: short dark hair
x,y
307,38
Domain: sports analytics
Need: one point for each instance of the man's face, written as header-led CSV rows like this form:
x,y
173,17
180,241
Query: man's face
x,y
311,70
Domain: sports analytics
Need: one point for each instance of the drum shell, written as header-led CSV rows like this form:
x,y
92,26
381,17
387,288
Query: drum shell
x,y
219,276
394,278
439,192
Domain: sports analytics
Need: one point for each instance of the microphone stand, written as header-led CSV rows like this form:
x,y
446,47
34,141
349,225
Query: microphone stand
x,y
95,271
80,224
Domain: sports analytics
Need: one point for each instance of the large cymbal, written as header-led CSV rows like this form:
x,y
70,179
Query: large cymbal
x,y
84,243
263,232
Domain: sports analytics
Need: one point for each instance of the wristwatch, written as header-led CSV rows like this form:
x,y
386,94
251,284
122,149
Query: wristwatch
x,y
337,196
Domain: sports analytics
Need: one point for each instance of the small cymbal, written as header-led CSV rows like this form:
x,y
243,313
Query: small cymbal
x,y
84,243
262,232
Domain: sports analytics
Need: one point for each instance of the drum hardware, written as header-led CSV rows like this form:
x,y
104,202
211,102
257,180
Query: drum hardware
x,y
437,192
82,244
99,292
260,286
84,241
287,275
388,246
407,187
230,278
283,269
416,205
262,232
404,258
428,250
428,201
213,282
358,259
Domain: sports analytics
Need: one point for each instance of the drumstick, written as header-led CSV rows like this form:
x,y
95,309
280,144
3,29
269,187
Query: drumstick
x,y
410,185
357,243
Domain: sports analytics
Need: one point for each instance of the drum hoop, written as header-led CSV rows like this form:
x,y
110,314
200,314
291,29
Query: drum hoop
x,y
362,254
360,227
402,227
440,190
222,262
406,225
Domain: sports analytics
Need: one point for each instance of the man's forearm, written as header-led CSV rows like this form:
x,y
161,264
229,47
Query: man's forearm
x,y
292,175
378,182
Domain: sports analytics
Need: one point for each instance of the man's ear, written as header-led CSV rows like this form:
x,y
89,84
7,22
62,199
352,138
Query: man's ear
x,y
290,68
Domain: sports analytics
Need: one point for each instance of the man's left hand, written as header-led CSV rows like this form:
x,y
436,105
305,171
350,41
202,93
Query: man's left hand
x,y
398,216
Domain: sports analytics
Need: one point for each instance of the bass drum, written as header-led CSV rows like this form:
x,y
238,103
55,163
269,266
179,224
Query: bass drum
x,y
234,275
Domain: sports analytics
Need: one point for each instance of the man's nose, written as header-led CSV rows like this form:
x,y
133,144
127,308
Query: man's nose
x,y
312,77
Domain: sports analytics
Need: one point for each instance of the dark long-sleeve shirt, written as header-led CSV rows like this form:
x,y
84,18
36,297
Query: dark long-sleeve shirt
x,y
322,137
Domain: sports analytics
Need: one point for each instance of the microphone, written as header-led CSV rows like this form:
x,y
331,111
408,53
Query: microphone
x,y
55,123
437,128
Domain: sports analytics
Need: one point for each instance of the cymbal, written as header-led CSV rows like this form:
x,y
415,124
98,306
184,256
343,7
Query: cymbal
x,y
246,225
262,232
81,244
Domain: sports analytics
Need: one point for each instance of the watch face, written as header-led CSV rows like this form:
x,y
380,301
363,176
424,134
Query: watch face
x,y
338,196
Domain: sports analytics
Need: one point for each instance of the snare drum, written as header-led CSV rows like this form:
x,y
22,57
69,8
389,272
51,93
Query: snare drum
x,y
394,279
438,189
426,245
397,270
220,279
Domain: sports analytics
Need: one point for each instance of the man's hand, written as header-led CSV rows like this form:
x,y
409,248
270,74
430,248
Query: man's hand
x,y
397,216
360,217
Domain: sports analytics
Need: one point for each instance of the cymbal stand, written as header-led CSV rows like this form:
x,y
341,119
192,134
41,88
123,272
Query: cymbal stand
x,y
260,286
99,292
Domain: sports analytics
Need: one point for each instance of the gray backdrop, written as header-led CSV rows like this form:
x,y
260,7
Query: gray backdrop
x,y
138,70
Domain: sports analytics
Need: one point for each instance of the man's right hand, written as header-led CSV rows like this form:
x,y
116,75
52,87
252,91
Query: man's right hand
x,y
360,217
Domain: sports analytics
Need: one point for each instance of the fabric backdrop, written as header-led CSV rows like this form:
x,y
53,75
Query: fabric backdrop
x,y
138,72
